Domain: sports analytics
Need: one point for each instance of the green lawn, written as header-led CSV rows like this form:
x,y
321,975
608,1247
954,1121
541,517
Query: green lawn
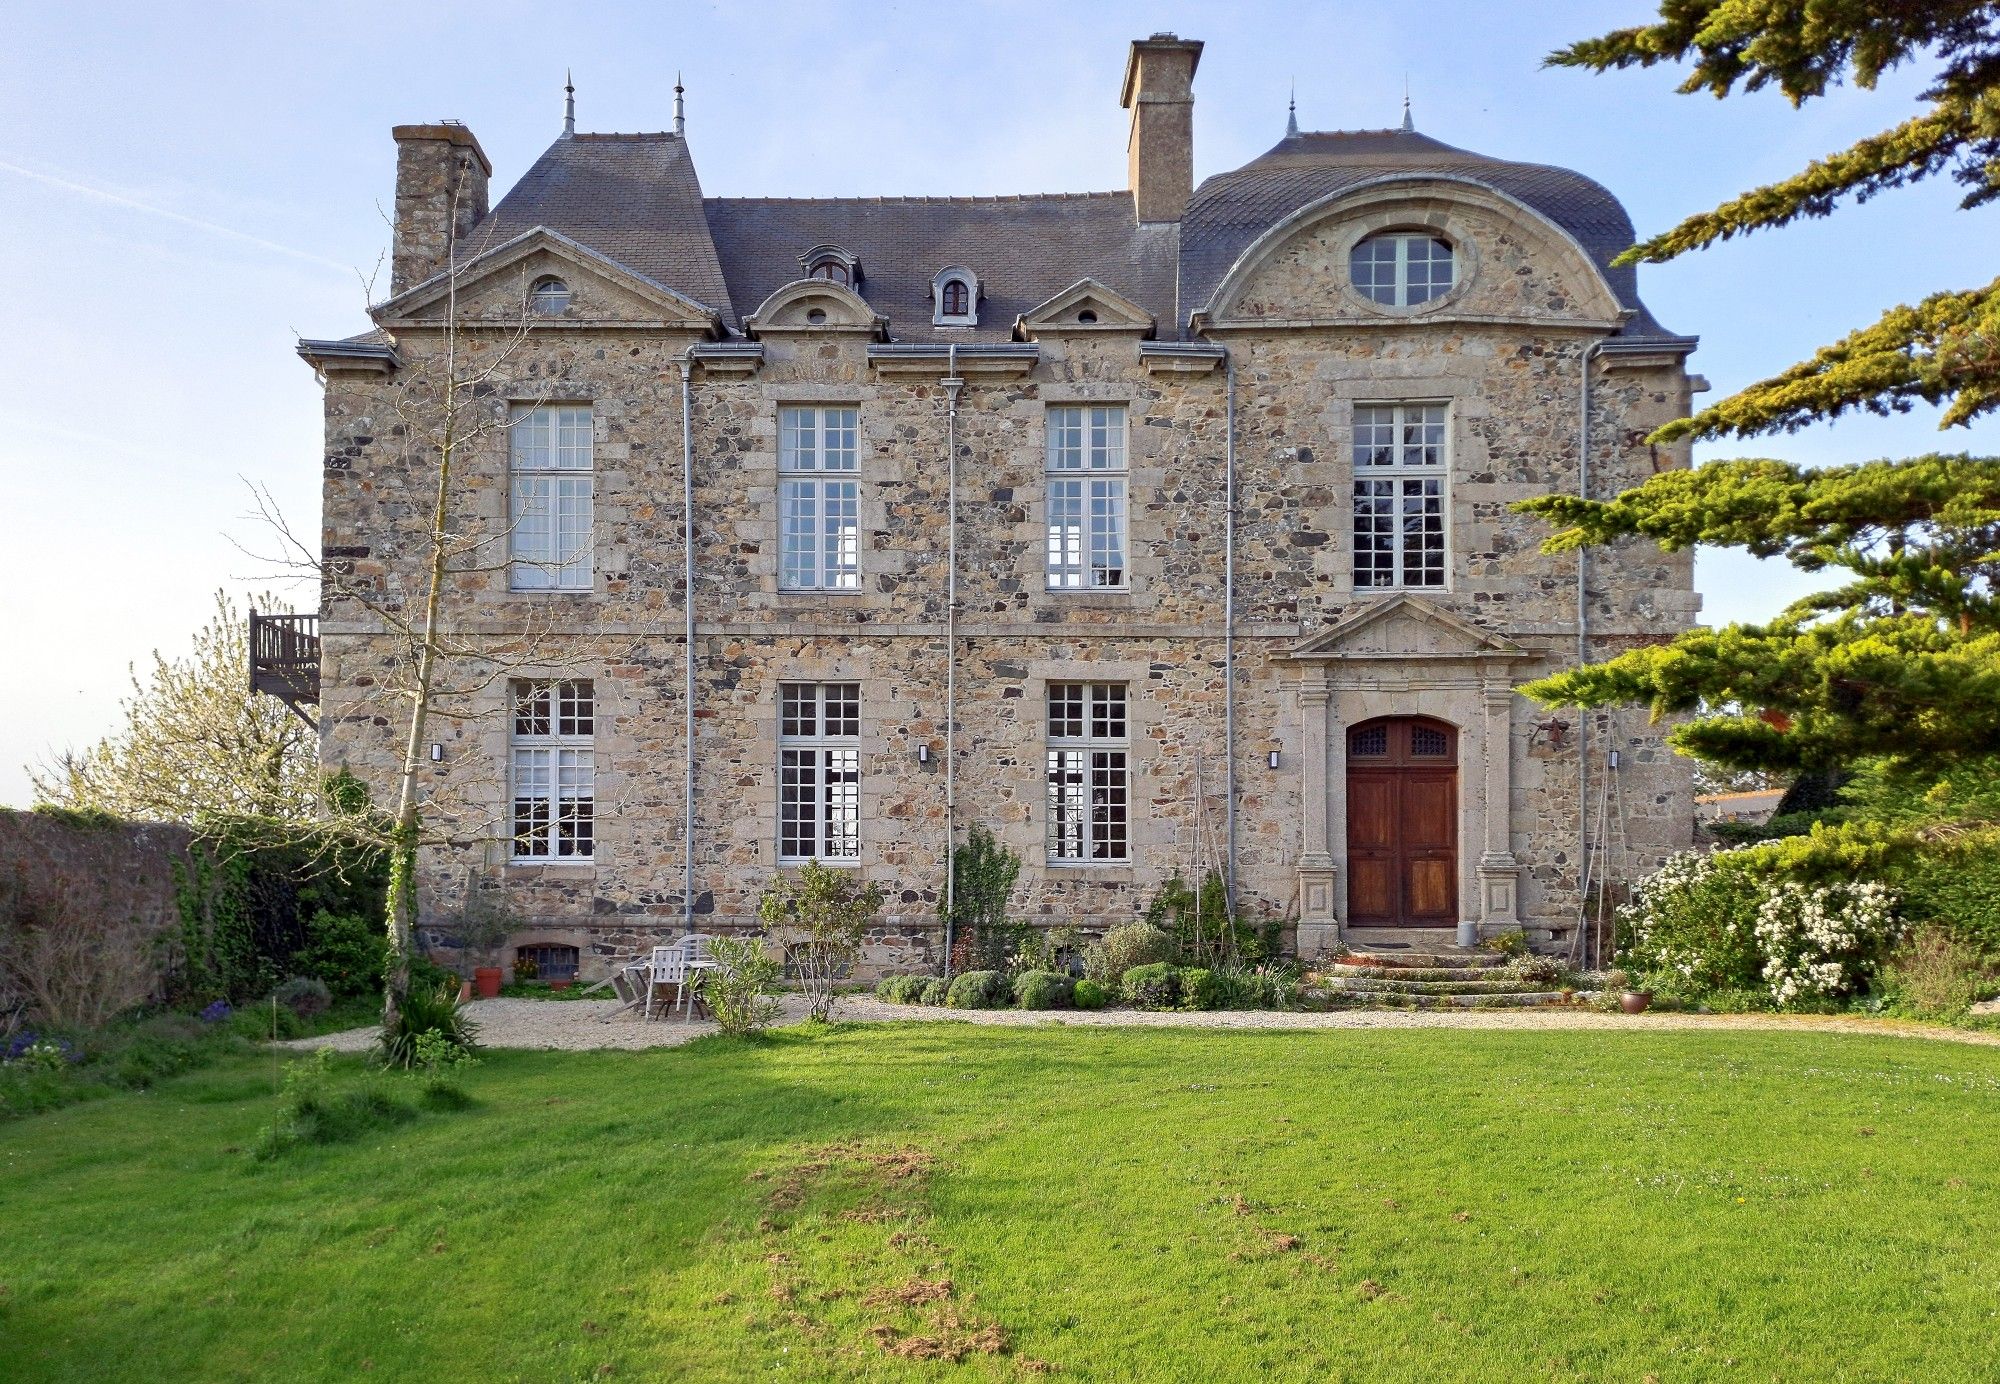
x,y
1097,1203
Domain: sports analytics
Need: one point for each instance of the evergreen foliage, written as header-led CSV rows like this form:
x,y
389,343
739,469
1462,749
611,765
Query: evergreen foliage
x,y
982,880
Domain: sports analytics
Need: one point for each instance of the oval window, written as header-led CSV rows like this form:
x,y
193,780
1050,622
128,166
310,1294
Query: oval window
x,y
1401,271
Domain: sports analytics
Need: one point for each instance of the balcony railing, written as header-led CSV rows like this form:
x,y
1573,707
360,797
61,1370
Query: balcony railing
x,y
284,659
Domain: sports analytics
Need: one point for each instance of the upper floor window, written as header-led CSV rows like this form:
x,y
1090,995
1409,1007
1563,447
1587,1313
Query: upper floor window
x,y
554,770
548,298
1401,483
1086,498
819,771
1400,271
550,500
955,298
1089,778
819,500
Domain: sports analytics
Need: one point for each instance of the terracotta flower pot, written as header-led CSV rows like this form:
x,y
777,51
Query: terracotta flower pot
x,y
486,979
561,984
1635,1001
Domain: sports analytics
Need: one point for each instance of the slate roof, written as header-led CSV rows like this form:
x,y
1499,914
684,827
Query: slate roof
x,y
1230,210
1024,250
636,199
633,198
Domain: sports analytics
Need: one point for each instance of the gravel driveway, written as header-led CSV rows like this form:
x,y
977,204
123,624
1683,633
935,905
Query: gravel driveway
x,y
581,1025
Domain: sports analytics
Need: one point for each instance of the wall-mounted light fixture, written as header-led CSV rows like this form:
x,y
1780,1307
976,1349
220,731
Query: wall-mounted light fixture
x,y
923,754
437,752
1272,759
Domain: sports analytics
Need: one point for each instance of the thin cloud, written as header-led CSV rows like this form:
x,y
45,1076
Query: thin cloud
x,y
213,228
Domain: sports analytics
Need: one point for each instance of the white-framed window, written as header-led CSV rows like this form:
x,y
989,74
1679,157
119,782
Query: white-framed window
x,y
1086,498
1089,772
819,771
1402,270
549,297
554,770
1401,494
819,499
550,497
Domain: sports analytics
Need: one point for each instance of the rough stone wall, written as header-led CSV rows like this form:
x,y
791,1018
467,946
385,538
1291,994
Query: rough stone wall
x,y
441,188
1514,394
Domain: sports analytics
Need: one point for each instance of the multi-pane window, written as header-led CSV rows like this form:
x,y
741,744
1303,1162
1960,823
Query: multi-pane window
x,y
1400,271
819,499
1400,491
554,770
956,299
549,450
819,771
1089,771
1086,508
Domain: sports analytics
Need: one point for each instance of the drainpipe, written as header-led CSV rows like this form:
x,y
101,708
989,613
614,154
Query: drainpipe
x,y
687,602
953,384
1582,657
1229,637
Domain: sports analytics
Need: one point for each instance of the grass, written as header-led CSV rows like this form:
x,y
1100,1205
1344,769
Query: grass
x,y
879,1202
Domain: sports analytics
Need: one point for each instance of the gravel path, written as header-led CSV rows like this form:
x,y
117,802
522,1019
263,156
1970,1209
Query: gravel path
x,y
581,1025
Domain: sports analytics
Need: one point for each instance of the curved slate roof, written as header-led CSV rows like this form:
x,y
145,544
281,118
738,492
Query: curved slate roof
x,y
635,198
1230,210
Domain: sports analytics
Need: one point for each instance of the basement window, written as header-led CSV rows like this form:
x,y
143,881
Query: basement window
x,y
552,961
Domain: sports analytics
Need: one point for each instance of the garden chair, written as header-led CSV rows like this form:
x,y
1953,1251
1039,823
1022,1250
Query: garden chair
x,y
668,967
695,947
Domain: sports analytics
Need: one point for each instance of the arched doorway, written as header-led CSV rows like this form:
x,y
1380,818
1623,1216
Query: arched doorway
x,y
1402,823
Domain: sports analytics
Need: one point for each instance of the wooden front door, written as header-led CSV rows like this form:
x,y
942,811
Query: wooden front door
x,y
1402,823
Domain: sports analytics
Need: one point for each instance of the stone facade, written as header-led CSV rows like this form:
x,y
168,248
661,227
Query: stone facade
x,y
1266,372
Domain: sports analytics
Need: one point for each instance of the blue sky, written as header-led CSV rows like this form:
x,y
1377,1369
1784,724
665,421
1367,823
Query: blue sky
x,y
185,189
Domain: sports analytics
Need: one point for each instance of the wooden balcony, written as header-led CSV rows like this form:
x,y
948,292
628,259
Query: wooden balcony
x,y
284,659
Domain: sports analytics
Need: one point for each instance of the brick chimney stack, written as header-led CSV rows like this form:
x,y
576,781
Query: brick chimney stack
x,y
1159,91
441,179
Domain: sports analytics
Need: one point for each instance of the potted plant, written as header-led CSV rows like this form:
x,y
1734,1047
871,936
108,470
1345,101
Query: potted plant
x,y
483,925
1633,997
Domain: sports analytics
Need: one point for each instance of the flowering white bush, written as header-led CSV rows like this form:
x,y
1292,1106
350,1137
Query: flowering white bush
x,y
1691,924
1818,941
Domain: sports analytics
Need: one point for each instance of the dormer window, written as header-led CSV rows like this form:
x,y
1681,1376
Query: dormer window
x,y
955,298
832,263
548,298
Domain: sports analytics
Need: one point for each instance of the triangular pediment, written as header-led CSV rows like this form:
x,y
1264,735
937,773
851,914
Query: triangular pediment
x,y
1405,627
492,288
815,305
1085,306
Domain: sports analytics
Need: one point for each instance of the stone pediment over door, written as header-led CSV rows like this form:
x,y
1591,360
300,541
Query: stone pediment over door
x,y
1405,628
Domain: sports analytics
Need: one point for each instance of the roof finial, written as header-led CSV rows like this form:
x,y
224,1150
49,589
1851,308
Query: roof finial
x,y
680,110
569,104
1408,124
1292,114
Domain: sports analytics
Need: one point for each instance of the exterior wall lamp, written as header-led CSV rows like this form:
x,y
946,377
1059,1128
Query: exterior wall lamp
x,y
923,754
1272,759
437,752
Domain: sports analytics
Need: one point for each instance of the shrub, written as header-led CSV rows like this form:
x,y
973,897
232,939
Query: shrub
x,y
1547,972
900,989
426,1009
304,996
1934,974
1692,925
933,992
1126,946
344,950
982,878
308,1113
1958,885
1199,989
1155,985
822,914
438,1063
1511,943
1044,990
1821,942
1204,933
741,990
977,990
1090,994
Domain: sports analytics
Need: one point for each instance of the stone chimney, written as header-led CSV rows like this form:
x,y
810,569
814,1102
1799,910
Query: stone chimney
x,y
1159,91
441,177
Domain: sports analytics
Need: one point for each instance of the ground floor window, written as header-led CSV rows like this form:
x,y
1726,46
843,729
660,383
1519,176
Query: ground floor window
x,y
819,771
1089,778
554,770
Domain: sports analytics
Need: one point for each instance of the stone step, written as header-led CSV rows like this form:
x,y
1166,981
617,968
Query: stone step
x,y
1377,972
1433,960
1374,985
1523,999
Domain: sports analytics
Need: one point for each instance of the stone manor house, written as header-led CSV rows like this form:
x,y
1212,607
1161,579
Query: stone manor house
x,y
1157,530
